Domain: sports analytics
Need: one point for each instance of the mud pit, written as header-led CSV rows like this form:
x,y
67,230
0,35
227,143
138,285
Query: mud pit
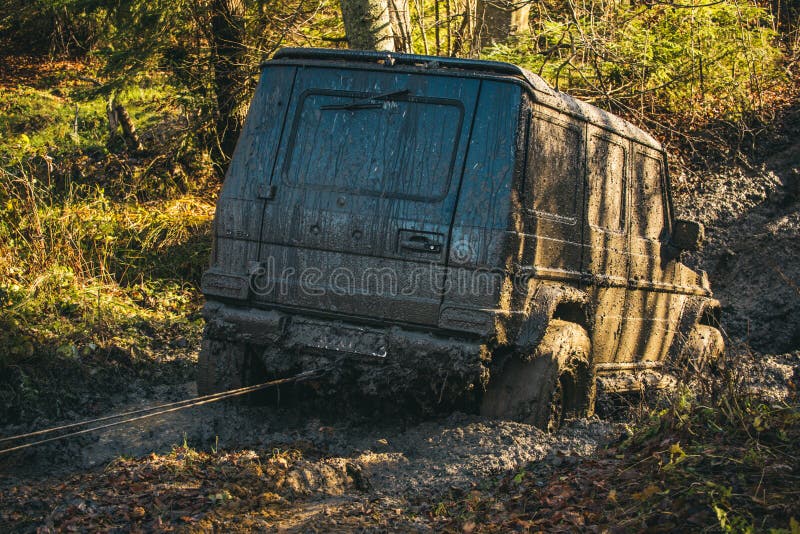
x,y
337,474
345,463
393,456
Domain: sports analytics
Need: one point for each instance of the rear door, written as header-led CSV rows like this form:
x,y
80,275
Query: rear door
x,y
359,205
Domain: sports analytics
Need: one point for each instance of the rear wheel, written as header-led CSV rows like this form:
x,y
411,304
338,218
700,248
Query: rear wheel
x,y
556,382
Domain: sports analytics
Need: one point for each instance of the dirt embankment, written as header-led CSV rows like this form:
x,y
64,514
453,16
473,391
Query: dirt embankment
x,y
752,256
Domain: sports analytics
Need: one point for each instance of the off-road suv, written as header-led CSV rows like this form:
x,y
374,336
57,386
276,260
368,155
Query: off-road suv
x,y
431,229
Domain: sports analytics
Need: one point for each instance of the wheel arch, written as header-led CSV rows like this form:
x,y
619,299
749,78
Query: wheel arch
x,y
697,311
551,302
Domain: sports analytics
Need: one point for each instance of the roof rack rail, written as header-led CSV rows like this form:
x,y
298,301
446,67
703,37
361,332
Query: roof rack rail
x,y
392,58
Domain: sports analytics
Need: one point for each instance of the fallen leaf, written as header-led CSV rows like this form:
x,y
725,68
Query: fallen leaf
x,y
646,493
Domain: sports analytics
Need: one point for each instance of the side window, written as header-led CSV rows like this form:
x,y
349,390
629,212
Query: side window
x,y
606,180
648,197
554,166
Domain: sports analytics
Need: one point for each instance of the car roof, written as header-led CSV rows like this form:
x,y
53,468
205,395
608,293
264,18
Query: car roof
x,y
544,93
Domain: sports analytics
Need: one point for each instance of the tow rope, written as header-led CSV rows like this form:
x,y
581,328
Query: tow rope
x,y
134,415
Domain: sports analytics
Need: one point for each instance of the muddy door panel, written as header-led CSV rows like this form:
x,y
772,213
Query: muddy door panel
x,y
237,224
606,257
482,247
364,189
653,308
553,194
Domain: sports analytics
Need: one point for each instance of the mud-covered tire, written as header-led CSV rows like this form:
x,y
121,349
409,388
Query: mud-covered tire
x,y
556,382
703,348
221,366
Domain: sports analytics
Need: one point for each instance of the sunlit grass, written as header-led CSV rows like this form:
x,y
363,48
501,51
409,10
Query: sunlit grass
x,y
101,249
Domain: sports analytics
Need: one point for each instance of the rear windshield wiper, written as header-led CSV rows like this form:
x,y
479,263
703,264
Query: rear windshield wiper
x,y
368,102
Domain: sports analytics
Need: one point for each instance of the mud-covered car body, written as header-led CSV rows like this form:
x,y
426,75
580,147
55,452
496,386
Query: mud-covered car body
x,y
410,221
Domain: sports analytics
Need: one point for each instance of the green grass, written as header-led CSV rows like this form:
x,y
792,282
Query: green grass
x,y
101,250
37,121
94,284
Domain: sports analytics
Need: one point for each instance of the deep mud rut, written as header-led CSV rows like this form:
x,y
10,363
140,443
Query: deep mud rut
x,y
388,463
350,466
397,455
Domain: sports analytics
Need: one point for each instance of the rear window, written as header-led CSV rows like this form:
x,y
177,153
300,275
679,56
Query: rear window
x,y
393,146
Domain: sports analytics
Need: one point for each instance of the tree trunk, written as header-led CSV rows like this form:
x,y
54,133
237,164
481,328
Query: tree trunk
x,y
499,20
119,116
400,18
368,24
129,132
230,74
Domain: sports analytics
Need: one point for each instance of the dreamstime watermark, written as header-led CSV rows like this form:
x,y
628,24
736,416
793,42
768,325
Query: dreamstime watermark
x,y
268,278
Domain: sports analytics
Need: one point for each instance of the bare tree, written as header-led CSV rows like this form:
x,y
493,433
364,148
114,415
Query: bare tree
x,y
400,17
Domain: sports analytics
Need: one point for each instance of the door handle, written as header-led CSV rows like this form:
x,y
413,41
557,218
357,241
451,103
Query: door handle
x,y
420,243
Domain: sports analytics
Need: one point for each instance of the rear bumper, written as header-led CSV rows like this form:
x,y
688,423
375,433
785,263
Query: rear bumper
x,y
385,362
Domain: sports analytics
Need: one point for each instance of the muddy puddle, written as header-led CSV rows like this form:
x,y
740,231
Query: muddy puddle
x,y
392,456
